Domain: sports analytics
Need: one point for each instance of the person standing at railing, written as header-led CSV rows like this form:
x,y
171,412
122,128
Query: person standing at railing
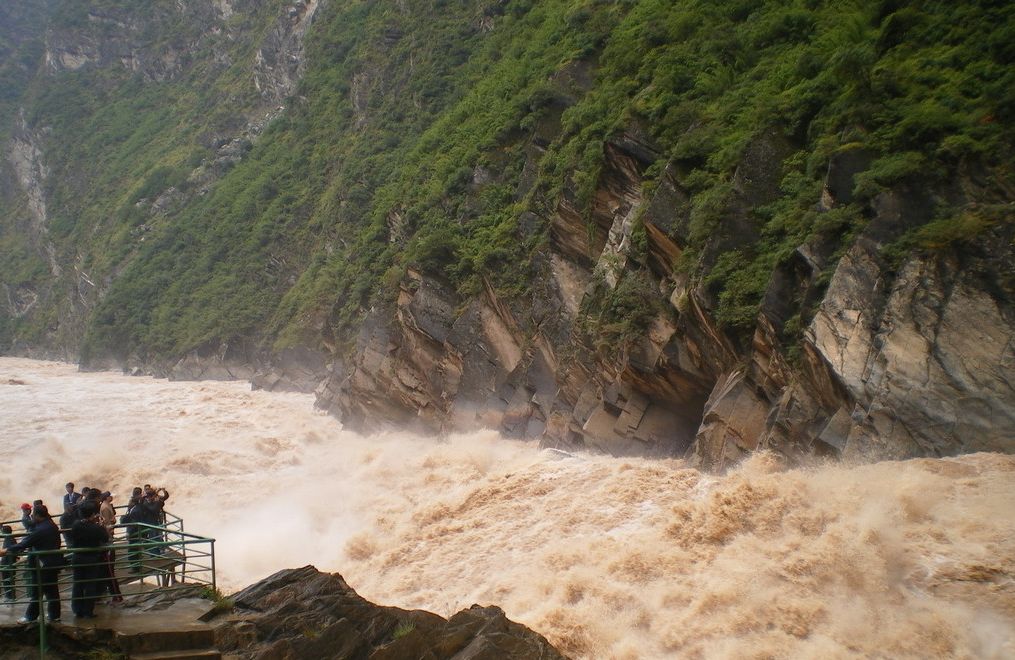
x,y
107,513
44,570
107,518
26,517
135,497
7,571
91,495
67,520
130,519
87,536
70,498
152,513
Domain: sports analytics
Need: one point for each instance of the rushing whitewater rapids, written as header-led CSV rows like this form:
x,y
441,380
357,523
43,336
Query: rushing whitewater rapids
x,y
606,557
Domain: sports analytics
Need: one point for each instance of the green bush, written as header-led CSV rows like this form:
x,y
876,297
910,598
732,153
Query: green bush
x,y
612,318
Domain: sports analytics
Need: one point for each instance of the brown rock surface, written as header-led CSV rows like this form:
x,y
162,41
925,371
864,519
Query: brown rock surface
x,y
895,360
929,373
303,613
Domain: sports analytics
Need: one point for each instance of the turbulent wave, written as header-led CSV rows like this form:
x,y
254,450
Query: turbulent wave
x,y
606,557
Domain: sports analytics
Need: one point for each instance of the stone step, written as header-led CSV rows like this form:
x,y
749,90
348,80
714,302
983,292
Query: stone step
x,y
165,641
193,654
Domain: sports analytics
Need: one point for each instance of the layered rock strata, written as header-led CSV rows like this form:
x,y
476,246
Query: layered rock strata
x,y
897,360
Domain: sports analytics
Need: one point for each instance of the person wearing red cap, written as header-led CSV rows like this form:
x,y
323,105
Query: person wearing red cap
x,y
26,517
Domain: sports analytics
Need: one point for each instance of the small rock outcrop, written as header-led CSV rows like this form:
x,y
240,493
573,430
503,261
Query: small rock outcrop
x,y
279,63
303,613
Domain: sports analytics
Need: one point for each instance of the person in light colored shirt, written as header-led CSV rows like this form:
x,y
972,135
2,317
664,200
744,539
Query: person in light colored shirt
x,y
107,514
107,518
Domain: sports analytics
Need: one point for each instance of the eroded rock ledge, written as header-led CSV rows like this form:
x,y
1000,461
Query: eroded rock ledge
x,y
303,613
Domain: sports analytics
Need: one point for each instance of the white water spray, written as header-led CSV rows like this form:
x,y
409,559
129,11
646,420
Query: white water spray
x,y
607,557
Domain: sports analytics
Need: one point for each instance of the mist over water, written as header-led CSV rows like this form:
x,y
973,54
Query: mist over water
x,y
606,557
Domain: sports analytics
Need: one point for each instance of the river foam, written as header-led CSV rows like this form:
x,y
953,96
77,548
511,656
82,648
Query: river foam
x,y
618,558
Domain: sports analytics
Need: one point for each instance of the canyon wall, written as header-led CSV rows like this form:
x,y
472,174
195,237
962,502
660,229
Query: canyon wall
x,y
898,360
665,231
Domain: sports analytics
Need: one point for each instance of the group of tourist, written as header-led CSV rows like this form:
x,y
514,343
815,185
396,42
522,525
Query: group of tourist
x,y
87,524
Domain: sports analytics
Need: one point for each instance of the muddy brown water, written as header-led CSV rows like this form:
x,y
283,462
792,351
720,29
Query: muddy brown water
x,y
609,558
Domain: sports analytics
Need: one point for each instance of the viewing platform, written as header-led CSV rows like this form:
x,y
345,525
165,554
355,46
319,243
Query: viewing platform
x,y
167,581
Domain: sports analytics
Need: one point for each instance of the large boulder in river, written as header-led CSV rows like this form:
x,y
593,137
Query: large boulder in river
x,y
303,613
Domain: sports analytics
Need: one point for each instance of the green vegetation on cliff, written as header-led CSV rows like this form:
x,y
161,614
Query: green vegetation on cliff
x,y
423,132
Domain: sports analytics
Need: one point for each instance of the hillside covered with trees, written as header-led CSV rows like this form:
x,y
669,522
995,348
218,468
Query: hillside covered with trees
x,y
646,226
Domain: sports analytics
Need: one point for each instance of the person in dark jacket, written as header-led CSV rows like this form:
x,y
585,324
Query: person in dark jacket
x,y
91,495
135,496
7,571
70,497
67,520
44,536
152,513
129,519
86,536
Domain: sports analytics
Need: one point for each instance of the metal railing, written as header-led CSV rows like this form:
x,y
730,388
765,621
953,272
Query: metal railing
x,y
141,557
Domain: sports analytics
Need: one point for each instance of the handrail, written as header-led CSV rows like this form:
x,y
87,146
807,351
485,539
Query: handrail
x,y
120,546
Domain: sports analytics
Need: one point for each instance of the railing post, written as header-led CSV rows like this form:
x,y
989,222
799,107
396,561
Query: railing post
x,y
214,586
42,608
183,553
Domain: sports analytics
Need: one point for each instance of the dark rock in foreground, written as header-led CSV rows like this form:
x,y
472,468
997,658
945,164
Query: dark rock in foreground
x,y
294,614
303,613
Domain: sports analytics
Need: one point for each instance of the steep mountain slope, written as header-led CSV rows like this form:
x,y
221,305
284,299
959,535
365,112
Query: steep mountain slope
x,y
642,226
134,110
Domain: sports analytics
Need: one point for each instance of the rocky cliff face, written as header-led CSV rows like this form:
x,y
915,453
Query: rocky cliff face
x,y
898,360
928,367
280,63
895,365
163,42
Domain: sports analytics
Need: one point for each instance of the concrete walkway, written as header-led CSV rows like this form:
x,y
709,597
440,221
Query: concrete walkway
x,y
149,626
